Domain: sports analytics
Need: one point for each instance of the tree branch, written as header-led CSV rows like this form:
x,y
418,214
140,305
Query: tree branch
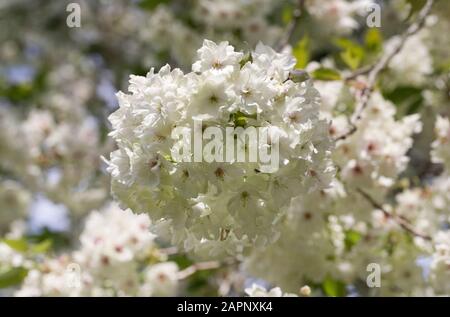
x,y
292,25
200,266
374,70
401,221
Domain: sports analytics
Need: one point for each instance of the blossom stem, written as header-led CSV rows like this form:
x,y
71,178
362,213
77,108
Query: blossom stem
x,y
200,266
401,221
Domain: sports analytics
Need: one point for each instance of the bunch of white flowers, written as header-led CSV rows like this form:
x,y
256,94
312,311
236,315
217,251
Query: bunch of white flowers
x,y
413,63
322,237
167,33
14,202
440,263
223,17
233,20
428,208
441,146
306,248
338,16
116,248
219,208
374,156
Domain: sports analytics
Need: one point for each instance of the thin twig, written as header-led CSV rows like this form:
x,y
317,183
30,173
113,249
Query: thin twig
x,y
380,65
359,72
401,221
169,250
292,25
200,266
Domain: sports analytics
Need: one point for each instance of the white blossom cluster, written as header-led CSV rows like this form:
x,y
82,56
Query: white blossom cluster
x,y
56,157
428,207
338,16
235,21
379,194
117,257
374,156
413,64
312,242
222,18
218,208
14,202
440,263
54,149
441,145
320,226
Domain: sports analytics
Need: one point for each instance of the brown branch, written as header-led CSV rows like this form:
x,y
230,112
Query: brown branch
x,y
374,70
359,72
401,221
292,25
200,266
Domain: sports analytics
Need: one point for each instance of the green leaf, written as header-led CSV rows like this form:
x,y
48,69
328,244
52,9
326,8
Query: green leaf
x,y
12,277
240,119
351,238
407,99
352,53
301,52
151,4
247,58
20,245
416,5
332,287
373,40
287,13
352,57
326,74
42,247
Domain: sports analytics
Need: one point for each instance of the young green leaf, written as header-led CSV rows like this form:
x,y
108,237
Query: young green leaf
x,y
373,40
326,74
42,247
332,287
12,276
351,238
301,52
20,245
352,53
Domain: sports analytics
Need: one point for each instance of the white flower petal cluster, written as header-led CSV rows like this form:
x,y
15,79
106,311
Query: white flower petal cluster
x,y
323,237
440,263
58,157
114,236
112,260
338,16
167,33
413,64
232,20
221,18
14,202
307,244
218,208
441,146
374,156
427,208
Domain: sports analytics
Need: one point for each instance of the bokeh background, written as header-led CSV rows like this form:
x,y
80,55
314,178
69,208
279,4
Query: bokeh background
x,y
58,85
